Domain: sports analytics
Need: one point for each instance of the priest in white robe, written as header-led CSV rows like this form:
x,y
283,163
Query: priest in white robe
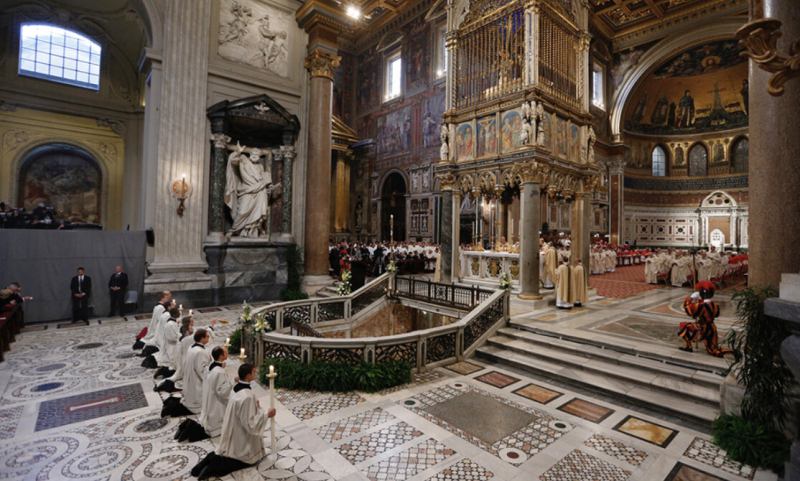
x,y
195,365
168,353
216,391
175,382
149,338
577,293
550,266
562,287
150,361
242,440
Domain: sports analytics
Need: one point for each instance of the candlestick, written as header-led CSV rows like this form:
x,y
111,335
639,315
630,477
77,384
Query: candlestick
x,y
190,312
242,355
180,307
227,342
271,377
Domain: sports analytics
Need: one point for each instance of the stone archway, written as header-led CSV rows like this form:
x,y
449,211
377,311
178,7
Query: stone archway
x,y
393,207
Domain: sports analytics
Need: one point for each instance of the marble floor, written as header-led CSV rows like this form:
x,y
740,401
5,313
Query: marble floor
x,y
76,405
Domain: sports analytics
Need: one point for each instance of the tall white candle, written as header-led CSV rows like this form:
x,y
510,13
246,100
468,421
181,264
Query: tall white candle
x,y
274,444
241,352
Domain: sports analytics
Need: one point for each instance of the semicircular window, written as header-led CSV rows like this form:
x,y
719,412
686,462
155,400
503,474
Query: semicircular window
x,y
64,177
53,53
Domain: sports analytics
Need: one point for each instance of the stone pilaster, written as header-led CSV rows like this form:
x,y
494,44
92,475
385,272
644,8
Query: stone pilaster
x,y
530,213
178,260
581,226
320,64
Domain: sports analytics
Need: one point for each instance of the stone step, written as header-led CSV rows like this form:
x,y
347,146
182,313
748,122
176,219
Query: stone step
x,y
628,373
698,415
664,354
614,357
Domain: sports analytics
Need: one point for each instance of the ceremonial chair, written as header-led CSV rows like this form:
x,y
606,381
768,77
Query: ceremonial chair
x,y
131,299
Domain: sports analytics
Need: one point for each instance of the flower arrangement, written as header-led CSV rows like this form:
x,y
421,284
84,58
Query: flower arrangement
x,y
392,267
246,312
261,324
505,281
344,288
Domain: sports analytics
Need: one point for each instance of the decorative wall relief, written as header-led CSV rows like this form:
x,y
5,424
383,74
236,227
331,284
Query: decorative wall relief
x,y
510,130
255,34
394,132
487,136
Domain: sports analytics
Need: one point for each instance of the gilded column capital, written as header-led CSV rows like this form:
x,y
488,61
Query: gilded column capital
x,y
760,40
447,181
322,64
584,41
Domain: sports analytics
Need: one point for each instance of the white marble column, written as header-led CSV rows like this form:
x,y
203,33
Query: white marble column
x,y
178,259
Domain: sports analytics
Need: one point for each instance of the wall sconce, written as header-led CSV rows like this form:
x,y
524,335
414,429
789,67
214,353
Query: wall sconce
x,y
181,190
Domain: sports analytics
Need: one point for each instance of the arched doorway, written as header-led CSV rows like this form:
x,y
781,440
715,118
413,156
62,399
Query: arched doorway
x,y
393,206
65,177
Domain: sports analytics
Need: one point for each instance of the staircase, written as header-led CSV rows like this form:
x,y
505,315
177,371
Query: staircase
x,y
687,389
327,291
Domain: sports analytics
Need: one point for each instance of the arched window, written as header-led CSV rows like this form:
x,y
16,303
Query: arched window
x,y
659,161
60,55
740,155
698,160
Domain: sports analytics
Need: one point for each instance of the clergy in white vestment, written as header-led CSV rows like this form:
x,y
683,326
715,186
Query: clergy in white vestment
x,y
562,286
168,352
550,265
148,339
157,343
577,292
241,443
175,382
195,366
216,391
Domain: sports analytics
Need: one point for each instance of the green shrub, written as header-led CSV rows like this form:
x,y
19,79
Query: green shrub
x,y
294,261
236,340
757,361
334,377
751,443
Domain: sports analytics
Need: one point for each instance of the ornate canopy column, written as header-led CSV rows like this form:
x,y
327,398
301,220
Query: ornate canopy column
x,y
530,214
449,233
581,226
616,198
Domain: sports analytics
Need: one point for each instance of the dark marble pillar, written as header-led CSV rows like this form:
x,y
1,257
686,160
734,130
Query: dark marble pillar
x,y
287,152
219,157
530,213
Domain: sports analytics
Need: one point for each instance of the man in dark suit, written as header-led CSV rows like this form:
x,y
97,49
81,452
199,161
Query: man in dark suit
x,y
81,287
117,287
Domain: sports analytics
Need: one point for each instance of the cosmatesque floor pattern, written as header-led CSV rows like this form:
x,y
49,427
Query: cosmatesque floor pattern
x,y
76,405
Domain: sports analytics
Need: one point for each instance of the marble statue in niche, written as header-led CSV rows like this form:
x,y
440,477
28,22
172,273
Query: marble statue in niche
x,y
246,27
248,187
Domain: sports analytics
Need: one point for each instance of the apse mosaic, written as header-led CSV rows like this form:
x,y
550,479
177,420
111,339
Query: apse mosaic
x,y
701,89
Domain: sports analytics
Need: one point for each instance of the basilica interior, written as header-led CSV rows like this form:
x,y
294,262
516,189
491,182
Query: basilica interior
x,y
457,239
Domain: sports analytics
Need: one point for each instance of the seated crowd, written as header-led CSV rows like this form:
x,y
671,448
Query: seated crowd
x,y
677,267
373,257
200,390
41,217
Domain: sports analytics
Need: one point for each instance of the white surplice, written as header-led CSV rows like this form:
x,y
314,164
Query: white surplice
x,y
243,428
168,351
151,328
216,392
195,367
180,356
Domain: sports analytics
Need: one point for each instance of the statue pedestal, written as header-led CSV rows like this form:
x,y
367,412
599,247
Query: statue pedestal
x,y
246,269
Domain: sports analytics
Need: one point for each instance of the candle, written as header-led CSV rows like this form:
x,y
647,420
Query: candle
x,y
180,307
241,352
273,439
271,370
227,341
190,312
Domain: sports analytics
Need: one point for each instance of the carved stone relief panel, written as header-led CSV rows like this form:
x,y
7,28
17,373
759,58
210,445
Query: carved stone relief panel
x,y
255,34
